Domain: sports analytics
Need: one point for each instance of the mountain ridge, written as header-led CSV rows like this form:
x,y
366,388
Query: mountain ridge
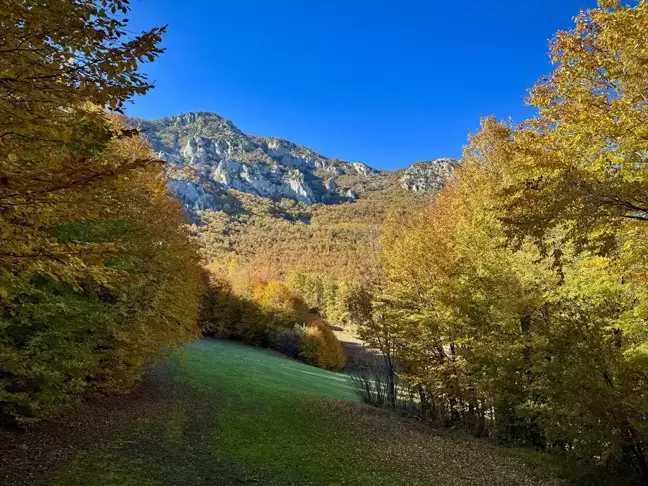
x,y
208,155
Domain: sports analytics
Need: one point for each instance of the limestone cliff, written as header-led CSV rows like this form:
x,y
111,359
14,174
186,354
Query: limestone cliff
x,y
208,155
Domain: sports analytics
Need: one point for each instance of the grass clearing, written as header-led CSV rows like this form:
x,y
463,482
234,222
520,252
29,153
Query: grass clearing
x,y
240,415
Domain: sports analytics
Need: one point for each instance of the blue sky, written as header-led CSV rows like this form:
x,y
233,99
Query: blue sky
x,y
387,83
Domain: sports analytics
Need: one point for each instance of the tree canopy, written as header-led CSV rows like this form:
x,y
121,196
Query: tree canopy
x,y
96,272
517,297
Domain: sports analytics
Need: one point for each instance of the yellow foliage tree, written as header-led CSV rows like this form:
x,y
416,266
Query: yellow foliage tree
x,y
519,294
321,348
583,159
96,273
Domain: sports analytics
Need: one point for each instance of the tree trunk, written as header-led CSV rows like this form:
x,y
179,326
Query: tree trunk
x,y
481,421
391,383
639,460
525,329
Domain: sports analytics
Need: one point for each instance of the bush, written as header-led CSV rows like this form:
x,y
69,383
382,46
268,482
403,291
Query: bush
x,y
321,348
225,315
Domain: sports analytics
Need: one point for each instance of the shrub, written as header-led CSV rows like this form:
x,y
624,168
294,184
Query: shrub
x,y
254,317
321,348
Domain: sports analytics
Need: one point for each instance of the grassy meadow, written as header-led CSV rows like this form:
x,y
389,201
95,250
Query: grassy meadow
x,y
225,414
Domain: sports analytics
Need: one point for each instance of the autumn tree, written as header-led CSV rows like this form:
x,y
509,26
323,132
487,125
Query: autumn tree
x,y
583,158
579,170
510,340
520,291
96,273
376,328
62,338
62,62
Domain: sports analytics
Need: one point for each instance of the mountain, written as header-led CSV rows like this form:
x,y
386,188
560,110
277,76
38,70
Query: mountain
x,y
207,156
268,207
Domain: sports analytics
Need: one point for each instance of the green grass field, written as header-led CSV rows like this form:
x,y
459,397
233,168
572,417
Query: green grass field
x,y
231,414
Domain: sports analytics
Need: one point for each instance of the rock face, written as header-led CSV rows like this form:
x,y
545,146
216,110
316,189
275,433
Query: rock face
x,y
427,177
207,155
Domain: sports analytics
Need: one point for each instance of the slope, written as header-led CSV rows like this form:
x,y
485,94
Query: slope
x,y
229,414
266,239
268,207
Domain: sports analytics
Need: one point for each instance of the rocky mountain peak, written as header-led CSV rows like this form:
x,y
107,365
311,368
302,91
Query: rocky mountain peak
x,y
207,155
199,119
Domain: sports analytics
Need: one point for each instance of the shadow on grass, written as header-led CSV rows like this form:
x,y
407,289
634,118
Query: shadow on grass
x,y
168,443
227,414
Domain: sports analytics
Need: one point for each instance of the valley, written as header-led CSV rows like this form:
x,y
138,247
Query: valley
x,y
184,303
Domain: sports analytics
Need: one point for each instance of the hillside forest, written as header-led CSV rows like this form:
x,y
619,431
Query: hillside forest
x,y
512,304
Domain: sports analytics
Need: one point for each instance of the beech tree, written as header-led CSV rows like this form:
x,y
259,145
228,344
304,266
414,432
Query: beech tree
x,y
583,159
520,291
96,272
62,62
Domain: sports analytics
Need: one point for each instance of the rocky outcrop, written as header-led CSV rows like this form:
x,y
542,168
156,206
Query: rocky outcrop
x,y
192,194
207,154
427,177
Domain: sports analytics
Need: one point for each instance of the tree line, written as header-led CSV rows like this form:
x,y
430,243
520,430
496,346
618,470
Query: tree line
x,y
96,274
268,314
515,303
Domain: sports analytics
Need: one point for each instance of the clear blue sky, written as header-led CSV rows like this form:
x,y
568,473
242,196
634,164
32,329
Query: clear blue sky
x,y
387,83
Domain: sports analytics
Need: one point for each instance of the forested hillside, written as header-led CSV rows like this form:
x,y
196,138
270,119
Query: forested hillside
x,y
273,239
276,207
267,210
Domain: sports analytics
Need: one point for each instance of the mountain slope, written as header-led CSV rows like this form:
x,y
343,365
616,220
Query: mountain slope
x,y
268,207
208,155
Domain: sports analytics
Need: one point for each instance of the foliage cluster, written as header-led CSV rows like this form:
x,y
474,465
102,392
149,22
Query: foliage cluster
x,y
96,275
516,302
321,348
252,314
268,314
287,342
336,300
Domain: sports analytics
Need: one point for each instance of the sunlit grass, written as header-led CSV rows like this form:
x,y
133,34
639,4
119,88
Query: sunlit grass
x,y
247,416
